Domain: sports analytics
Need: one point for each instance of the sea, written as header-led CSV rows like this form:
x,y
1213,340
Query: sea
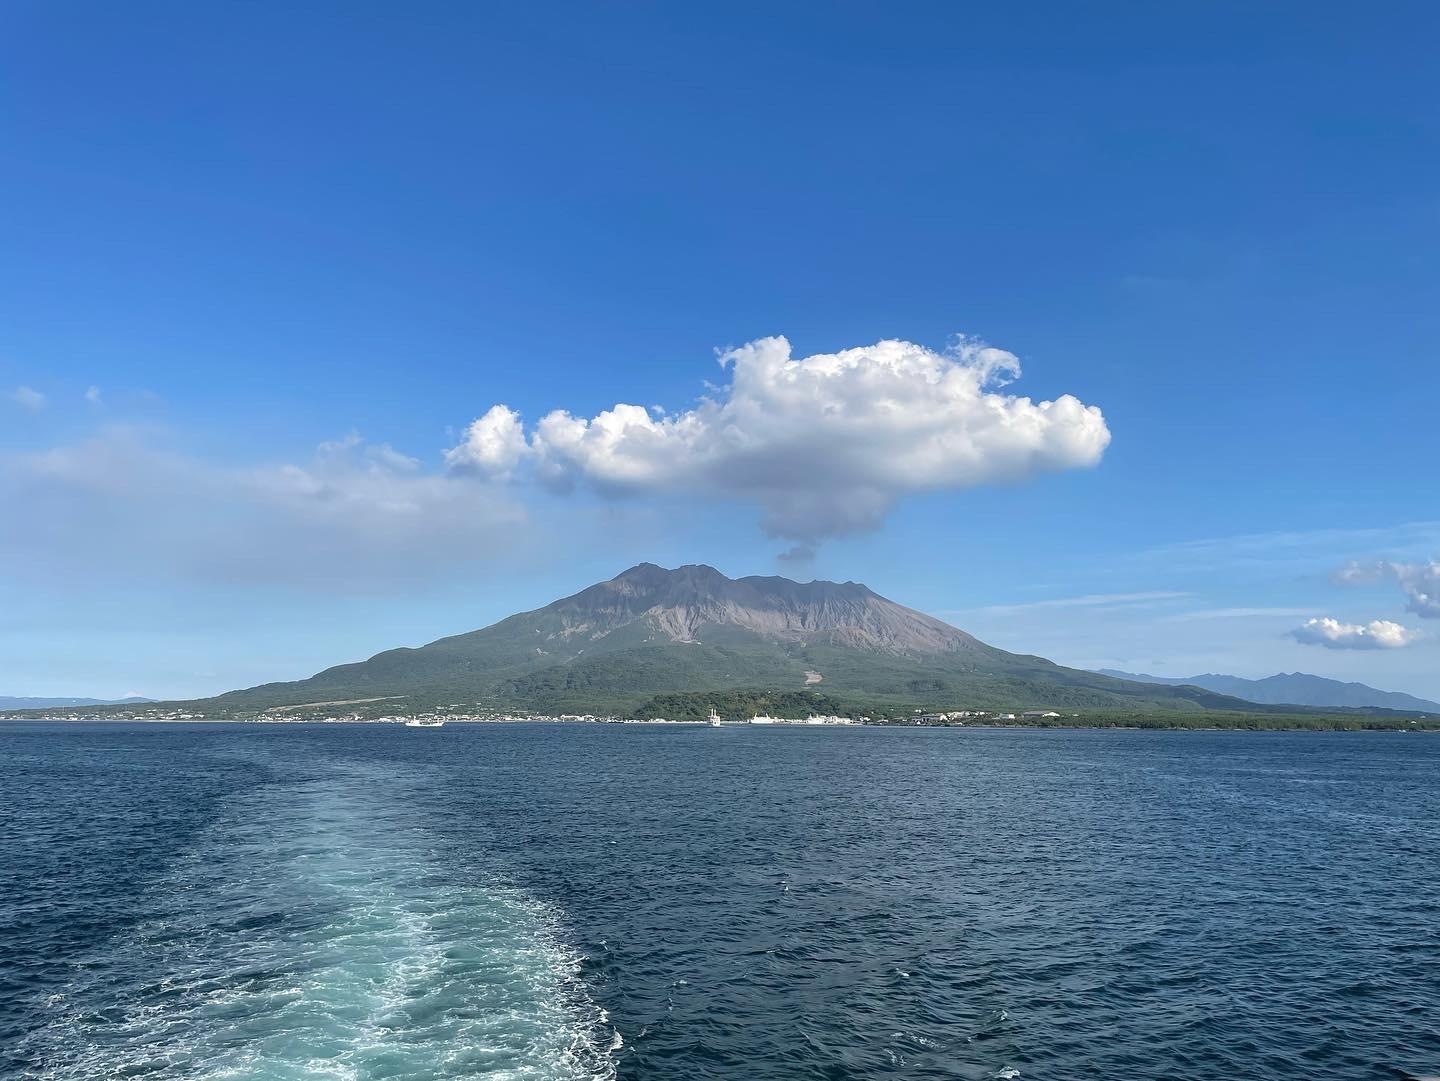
x,y
533,901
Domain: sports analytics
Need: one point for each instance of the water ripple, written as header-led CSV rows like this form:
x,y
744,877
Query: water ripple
x,y
695,904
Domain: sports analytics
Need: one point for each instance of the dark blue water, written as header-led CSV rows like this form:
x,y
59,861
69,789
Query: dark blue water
x,y
560,902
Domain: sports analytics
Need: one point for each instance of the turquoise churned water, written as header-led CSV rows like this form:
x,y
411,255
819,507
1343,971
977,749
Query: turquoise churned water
x,y
528,901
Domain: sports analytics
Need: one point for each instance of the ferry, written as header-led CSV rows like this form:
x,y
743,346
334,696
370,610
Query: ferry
x,y
714,719
424,722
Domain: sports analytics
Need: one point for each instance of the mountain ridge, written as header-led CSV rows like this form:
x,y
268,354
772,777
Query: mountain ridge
x,y
22,702
1291,688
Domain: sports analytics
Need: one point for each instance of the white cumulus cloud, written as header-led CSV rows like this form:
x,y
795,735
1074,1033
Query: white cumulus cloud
x,y
824,444
1420,582
493,445
1333,634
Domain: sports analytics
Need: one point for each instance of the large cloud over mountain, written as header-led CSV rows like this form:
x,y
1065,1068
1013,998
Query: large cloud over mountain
x,y
824,444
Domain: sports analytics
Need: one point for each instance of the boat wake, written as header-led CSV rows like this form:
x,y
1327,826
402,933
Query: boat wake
x,y
316,931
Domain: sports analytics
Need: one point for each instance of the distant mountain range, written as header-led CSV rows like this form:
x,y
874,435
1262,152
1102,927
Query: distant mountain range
x,y
7,702
1292,688
652,631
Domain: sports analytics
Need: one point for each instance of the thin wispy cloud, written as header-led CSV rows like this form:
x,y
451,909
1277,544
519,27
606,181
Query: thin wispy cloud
x,y
28,398
1089,600
1236,613
823,445
1317,549
352,516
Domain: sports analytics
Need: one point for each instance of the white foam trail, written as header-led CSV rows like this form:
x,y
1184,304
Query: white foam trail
x,y
314,933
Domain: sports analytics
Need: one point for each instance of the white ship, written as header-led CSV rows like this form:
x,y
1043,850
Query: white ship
x,y
714,718
424,722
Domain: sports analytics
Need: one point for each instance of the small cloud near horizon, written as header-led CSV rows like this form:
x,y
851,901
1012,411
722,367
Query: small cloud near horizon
x,y
28,398
1333,634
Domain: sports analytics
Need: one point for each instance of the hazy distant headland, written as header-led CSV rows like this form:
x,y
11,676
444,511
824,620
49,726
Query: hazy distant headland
x,y
9,702
1294,688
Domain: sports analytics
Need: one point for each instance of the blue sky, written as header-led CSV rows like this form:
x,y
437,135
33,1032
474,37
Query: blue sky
x,y
296,250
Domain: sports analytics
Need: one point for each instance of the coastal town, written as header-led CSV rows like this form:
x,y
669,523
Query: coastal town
x,y
459,713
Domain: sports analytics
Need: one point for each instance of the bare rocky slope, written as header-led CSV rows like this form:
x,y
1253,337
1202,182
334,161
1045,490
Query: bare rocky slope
x,y
683,605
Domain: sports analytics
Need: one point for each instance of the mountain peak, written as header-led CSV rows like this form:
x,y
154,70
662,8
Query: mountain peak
x,y
653,572
704,573
696,601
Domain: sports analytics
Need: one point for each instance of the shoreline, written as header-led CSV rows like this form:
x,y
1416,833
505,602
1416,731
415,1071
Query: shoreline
x,y
1399,725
